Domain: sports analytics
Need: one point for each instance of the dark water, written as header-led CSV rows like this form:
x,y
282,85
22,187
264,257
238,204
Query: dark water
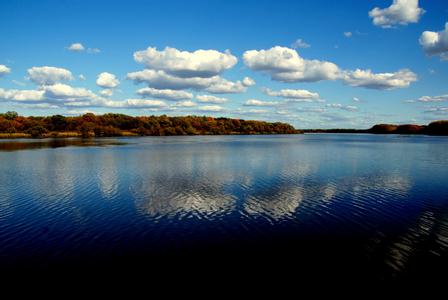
x,y
366,206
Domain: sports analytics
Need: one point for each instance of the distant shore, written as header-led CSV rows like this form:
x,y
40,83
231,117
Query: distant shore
x,y
433,128
114,125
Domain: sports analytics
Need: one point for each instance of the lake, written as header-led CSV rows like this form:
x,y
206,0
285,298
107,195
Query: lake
x,y
367,206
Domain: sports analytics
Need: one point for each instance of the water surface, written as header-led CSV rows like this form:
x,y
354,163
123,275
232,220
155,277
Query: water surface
x,y
371,205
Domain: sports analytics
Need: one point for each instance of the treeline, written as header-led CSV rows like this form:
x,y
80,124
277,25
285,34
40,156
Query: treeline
x,y
433,128
88,125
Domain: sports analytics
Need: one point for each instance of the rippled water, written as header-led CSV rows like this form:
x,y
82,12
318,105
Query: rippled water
x,y
371,205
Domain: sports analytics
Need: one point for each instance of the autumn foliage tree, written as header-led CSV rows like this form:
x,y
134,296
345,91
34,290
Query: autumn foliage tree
x,y
88,125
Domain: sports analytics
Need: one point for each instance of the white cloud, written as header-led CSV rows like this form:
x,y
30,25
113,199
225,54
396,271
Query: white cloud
x,y
165,94
141,103
400,12
356,99
247,81
186,103
435,43
161,80
42,106
303,95
299,43
382,81
76,112
255,102
21,95
4,70
48,75
62,95
211,108
66,92
223,86
128,103
441,98
348,34
81,77
211,99
107,92
200,63
285,64
107,80
77,47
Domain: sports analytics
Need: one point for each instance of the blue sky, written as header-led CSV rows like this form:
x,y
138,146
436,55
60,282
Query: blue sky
x,y
309,63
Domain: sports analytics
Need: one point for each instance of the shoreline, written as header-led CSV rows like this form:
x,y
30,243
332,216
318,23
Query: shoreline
x,y
63,135
13,126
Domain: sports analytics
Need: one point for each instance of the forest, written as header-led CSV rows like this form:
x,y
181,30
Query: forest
x,y
91,125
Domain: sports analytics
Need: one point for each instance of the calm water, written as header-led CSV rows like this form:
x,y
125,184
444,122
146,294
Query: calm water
x,y
370,205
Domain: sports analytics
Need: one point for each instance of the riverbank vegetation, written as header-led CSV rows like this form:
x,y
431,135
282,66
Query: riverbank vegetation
x,y
12,125
90,125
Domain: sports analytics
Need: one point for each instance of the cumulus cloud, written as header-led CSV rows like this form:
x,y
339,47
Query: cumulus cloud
x,y
435,43
179,70
107,80
161,80
66,92
211,99
441,98
4,70
128,103
65,96
200,63
165,94
49,75
21,95
299,95
382,81
107,92
285,64
247,81
299,43
81,77
186,103
348,34
138,103
255,102
77,47
400,12
211,108
223,86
